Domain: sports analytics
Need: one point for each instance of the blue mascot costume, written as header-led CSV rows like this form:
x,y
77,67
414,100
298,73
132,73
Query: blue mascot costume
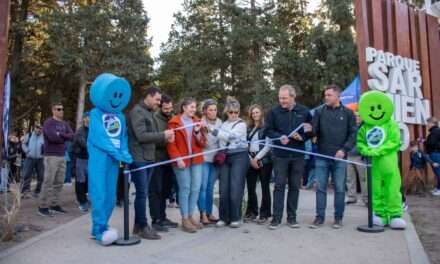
x,y
107,146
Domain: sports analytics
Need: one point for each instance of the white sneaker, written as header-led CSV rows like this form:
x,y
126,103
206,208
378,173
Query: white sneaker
x,y
434,190
220,223
436,193
235,224
109,237
378,221
398,224
405,207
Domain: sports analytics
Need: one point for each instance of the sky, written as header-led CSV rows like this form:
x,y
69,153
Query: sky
x,y
161,17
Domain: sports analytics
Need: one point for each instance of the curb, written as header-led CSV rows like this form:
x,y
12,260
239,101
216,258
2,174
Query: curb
x,y
417,254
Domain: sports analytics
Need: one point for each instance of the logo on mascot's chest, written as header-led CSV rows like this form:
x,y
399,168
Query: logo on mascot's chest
x,y
113,128
375,137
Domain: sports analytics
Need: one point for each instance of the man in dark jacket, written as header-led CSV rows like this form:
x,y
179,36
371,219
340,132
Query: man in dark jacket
x,y
281,121
143,135
81,157
161,180
432,148
335,127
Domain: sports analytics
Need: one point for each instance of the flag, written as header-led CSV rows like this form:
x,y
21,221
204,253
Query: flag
x,y
351,95
6,98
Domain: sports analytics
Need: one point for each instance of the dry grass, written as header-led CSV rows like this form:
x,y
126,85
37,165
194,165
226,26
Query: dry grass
x,y
10,205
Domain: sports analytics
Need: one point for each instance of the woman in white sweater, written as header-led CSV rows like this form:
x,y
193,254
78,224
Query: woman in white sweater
x,y
232,135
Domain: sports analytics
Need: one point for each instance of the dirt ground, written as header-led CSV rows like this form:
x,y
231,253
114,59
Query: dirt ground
x,y
31,224
425,213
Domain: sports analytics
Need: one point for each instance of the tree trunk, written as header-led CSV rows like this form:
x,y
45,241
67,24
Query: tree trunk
x,y
81,98
19,36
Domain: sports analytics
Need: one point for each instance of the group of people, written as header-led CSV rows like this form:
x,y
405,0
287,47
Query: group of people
x,y
205,147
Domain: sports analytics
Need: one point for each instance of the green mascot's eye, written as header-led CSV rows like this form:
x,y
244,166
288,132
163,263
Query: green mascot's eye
x,y
372,108
379,107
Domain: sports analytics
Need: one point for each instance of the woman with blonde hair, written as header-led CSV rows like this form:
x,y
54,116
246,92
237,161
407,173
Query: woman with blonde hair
x,y
261,167
210,170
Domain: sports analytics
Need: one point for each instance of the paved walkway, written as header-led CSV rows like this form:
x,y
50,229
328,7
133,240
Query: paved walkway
x,y
251,243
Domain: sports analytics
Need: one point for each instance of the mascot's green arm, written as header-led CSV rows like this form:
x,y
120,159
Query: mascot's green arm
x,y
391,143
392,140
361,144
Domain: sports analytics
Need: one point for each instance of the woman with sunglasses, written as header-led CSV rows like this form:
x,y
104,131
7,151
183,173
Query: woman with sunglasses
x,y
232,135
189,140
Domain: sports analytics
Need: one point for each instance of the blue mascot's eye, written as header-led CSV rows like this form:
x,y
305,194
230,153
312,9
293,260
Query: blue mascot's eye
x,y
372,108
120,95
115,95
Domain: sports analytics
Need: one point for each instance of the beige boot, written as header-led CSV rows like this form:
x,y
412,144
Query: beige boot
x,y
187,226
205,220
195,223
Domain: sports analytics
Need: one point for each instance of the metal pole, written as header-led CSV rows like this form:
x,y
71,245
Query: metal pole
x,y
370,228
127,240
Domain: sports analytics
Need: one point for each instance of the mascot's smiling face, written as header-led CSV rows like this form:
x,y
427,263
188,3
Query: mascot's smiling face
x,y
110,93
375,108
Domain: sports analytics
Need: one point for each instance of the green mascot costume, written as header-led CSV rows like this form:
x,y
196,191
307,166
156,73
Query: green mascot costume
x,y
379,139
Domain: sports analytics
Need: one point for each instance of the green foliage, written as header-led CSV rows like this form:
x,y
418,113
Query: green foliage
x,y
66,41
249,48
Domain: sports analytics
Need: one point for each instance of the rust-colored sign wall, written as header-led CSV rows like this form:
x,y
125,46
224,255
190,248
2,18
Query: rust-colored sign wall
x,y
395,27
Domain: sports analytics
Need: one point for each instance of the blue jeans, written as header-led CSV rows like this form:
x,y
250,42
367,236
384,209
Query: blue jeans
x,y
337,169
435,157
69,172
189,181
206,196
141,180
232,181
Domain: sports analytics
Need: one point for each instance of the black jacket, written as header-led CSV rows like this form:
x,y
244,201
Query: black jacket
x,y
418,160
335,129
261,132
79,143
432,143
161,148
281,121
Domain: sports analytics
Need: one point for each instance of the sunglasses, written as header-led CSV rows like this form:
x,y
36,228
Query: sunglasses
x,y
59,109
233,112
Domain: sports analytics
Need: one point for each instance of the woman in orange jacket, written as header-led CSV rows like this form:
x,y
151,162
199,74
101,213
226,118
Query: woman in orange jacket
x,y
189,139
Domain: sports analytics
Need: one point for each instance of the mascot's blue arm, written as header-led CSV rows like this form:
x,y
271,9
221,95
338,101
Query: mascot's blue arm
x,y
126,156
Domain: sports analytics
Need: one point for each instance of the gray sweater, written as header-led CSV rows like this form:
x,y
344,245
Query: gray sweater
x,y
212,142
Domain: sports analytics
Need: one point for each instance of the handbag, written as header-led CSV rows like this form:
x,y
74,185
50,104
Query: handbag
x,y
220,156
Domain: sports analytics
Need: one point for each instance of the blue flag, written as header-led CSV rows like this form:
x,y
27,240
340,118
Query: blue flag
x,y
351,95
6,99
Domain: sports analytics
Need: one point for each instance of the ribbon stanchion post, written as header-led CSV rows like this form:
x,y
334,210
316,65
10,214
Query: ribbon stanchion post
x,y
370,227
127,240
